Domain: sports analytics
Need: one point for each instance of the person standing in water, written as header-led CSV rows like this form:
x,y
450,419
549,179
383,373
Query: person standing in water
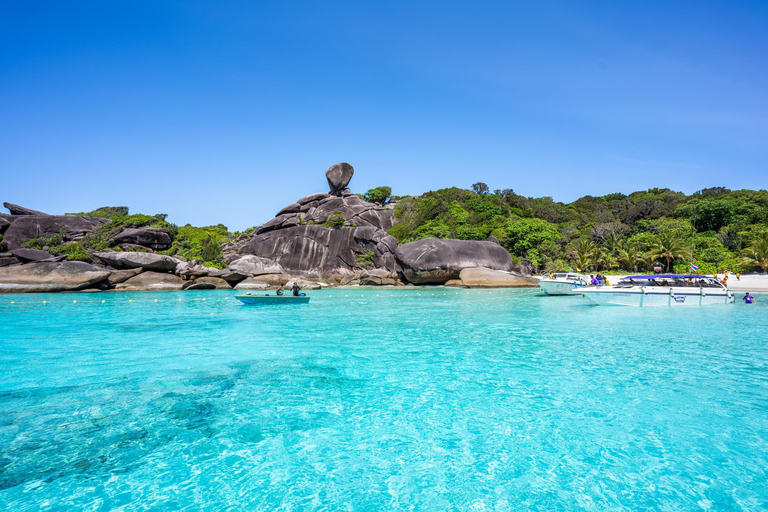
x,y
748,299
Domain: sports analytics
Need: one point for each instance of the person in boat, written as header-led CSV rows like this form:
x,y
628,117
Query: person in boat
x,y
280,291
725,279
593,280
748,299
295,289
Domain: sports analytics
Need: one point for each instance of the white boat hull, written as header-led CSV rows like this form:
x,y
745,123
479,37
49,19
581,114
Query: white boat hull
x,y
556,287
650,297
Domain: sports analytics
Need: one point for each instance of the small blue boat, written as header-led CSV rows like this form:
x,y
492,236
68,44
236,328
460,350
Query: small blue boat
x,y
248,298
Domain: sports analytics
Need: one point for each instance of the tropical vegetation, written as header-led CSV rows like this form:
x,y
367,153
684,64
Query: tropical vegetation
x,y
725,229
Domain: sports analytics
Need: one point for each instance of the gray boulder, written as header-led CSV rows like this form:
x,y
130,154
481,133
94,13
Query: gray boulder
x,y
7,259
324,251
120,276
50,277
20,210
338,176
255,266
207,283
154,238
487,278
31,254
435,261
4,224
152,281
263,282
143,260
27,227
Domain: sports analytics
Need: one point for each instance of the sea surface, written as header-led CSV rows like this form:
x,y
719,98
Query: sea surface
x,y
380,399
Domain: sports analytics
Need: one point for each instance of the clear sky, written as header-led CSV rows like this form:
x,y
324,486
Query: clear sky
x,y
226,111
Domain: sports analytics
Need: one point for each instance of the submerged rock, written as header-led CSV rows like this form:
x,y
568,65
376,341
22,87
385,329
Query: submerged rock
x,y
158,281
487,278
144,260
50,277
435,261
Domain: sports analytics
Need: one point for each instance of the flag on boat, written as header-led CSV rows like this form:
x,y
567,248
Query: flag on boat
x,y
694,268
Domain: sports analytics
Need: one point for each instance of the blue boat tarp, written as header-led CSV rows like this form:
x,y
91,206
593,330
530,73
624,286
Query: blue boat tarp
x,y
666,276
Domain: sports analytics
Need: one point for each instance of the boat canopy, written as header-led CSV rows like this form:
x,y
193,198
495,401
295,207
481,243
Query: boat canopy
x,y
667,276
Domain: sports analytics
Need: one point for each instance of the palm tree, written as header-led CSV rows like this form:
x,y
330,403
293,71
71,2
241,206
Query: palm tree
x,y
629,256
668,248
584,252
757,253
612,242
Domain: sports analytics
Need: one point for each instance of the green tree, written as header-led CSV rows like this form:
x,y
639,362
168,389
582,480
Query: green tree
x,y
756,255
522,235
480,188
378,195
668,248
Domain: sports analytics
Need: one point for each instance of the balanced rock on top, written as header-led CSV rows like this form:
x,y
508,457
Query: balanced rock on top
x,y
338,177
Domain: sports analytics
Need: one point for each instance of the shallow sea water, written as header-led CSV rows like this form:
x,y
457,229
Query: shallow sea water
x,y
374,399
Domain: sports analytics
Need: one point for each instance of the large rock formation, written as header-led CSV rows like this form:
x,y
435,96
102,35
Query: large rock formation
x,y
154,238
487,278
435,261
27,227
31,255
50,277
155,281
338,176
323,235
20,210
255,266
144,260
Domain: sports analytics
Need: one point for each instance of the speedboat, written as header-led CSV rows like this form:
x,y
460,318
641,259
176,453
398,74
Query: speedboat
x,y
562,283
248,298
661,290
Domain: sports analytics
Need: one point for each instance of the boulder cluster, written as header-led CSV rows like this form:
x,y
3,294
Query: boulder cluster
x,y
324,239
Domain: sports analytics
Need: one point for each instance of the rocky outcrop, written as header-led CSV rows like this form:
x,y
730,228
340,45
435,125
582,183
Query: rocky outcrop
x,y
255,266
325,251
120,276
155,281
4,223
20,210
143,260
154,238
27,255
27,227
263,282
435,261
338,176
207,283
7,259
50,277
487,278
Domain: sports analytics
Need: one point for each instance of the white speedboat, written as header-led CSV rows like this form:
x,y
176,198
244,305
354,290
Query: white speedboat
x,y
661,290
562,283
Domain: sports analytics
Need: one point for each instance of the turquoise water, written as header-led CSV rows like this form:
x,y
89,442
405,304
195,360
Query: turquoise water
x,y
425,399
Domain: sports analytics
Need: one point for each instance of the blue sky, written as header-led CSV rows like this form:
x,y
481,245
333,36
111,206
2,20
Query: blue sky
x,y
226,111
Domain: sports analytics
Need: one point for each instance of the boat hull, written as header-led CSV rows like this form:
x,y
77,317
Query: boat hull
x,y
680,297
557,287
271,300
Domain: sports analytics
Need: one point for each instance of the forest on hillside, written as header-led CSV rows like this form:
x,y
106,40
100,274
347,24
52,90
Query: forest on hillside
x,y
615,232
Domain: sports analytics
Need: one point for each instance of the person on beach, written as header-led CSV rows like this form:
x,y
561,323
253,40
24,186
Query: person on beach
x,y
295,289
738,276
280,291
748,299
